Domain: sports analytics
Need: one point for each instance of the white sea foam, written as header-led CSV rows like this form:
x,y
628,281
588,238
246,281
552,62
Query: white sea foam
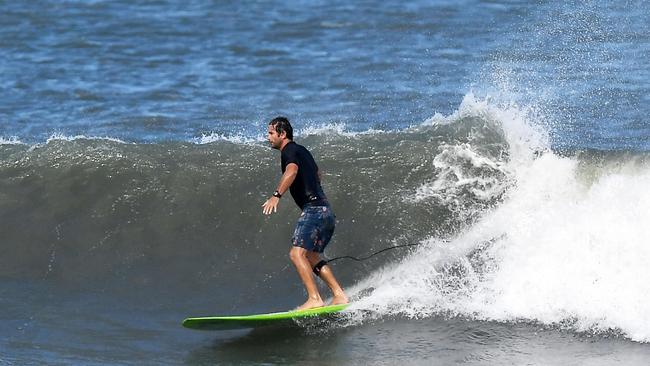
x,y
10,141
235,139
572,251
340,129
62,137
562,249
454,178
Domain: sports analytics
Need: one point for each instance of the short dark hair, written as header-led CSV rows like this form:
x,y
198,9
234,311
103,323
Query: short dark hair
x,y
281,124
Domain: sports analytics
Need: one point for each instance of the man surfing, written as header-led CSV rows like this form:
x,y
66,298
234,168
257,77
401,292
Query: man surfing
x,y
315,227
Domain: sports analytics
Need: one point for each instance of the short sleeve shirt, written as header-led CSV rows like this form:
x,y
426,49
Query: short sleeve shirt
x,y
306,188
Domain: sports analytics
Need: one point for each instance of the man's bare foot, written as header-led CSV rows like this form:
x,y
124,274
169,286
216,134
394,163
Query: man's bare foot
x,y
310,304
339,300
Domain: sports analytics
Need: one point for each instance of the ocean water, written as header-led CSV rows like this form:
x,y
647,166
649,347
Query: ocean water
x,y
509,141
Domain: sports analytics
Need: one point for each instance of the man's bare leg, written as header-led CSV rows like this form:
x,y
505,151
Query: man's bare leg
x,y
299,258
326,274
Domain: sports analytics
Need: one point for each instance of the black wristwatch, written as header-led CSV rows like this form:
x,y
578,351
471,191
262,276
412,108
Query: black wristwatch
x,y
277,194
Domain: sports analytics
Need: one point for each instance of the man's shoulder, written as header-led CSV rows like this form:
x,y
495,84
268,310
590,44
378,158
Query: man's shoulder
x,y
296,153
292,148
290,152
295,145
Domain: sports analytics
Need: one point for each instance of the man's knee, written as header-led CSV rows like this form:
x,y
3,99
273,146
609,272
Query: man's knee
x,y
297,254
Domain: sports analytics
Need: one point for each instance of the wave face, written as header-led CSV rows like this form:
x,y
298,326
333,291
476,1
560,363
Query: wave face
x,y
508,229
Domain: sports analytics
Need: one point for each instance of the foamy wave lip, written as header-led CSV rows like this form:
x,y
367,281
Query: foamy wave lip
x,y
62,137
336,128
470,106
520,124
10,141
524,141
235,139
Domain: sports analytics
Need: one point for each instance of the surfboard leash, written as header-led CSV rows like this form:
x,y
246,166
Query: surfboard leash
x,y
320,264
361,259
317,268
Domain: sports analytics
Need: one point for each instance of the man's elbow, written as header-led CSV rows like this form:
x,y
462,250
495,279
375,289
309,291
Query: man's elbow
x,y
292,169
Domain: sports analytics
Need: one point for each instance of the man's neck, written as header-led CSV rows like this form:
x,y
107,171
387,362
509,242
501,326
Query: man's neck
x,y
284,143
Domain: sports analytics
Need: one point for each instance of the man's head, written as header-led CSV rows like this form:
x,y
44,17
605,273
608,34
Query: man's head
x,y
279,129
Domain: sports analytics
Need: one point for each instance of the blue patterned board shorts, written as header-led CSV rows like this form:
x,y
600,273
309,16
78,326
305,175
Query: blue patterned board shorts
x,y
314,229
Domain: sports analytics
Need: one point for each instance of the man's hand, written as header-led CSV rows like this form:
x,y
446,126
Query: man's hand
x,y
271,205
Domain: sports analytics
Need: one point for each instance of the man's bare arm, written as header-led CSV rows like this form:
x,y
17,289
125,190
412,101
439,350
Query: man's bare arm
x,y
290,172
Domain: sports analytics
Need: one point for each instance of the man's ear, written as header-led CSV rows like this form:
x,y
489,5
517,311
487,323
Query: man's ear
x,y
283,134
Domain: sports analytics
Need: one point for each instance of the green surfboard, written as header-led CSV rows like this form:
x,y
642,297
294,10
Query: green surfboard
x,y
258,320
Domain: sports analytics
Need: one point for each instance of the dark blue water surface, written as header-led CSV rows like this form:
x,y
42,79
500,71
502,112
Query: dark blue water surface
x,y
148,71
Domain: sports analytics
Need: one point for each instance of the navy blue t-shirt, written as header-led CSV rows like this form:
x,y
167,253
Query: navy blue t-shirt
x,y
306,188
